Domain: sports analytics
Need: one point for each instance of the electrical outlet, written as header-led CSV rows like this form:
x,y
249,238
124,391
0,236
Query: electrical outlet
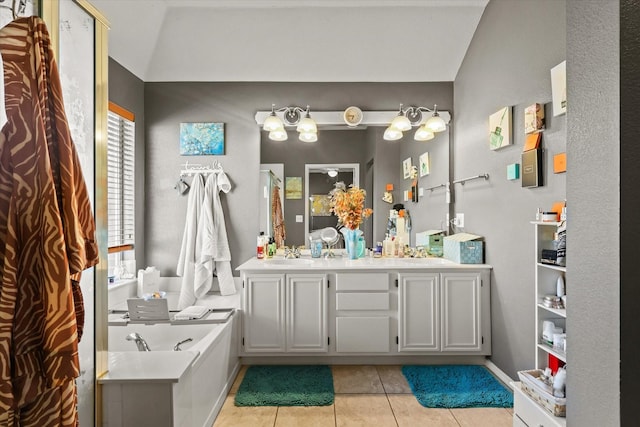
x,y
459,220
299,218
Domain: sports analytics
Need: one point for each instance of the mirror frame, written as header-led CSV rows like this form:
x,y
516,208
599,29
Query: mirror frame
x,y
321,167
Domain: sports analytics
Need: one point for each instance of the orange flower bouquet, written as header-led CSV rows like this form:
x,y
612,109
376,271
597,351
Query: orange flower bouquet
x,y
348,205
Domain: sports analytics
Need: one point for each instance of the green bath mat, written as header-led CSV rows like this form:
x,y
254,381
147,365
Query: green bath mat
x,y
456,386
277,385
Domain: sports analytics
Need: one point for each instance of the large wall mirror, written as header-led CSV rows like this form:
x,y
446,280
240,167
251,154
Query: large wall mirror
x,y
379,163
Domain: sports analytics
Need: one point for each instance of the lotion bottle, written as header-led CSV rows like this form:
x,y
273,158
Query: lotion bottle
x,y
560,289
260,246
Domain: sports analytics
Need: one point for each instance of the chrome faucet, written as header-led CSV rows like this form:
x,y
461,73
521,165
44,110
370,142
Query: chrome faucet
x,y
177,346
291,253
140,342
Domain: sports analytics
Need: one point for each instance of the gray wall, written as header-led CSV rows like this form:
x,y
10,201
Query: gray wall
x,y
508,64
235,104
629,331
593,186
127,91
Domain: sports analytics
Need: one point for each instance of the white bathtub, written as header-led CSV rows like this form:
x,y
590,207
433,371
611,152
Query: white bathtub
x,y
213,369
164,336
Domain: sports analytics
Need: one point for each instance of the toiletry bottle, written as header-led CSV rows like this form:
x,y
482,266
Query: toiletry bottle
x,y
271,248
265,242
378,250
260,246
560,290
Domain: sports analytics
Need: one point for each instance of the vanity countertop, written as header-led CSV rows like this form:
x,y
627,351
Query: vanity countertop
x,y
343,263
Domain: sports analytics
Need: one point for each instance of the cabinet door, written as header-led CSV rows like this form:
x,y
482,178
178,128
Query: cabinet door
x,y
306,319
264,315
419,312
461,312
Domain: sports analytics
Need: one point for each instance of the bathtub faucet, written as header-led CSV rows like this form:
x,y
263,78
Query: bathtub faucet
x,y
140,342
177,346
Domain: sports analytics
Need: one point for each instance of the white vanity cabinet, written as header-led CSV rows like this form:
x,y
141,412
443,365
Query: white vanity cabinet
x,y
445,313
390,309
285,313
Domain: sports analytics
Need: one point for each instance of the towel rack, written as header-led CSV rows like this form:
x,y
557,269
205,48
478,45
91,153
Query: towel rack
x,y
273,175
188,169
463,180
434,187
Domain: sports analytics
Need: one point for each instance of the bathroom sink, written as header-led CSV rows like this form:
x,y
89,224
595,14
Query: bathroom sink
x,y
287,262
423,261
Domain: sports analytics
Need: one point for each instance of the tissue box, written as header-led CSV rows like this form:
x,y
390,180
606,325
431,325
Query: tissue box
x,y
464,248
431,241
148,281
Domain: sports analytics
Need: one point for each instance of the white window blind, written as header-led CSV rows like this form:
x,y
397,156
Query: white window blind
x,y
120,182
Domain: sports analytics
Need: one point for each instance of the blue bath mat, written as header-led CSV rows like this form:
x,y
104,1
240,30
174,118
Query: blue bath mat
x,y
456,386
277,385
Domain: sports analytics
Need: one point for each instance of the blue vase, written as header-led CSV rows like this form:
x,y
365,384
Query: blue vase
x,y
351,241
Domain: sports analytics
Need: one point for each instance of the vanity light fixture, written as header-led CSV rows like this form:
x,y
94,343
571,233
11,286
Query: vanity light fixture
x,y
412,116
291,116
278,135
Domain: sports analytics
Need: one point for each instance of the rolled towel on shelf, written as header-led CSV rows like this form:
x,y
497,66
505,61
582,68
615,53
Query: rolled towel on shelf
x,y
192,312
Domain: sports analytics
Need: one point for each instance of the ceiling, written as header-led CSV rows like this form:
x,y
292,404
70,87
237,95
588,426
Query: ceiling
x,y
291,40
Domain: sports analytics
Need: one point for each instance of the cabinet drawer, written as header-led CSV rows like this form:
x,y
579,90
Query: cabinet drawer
x,y
362,301
362,334
530,412
362,282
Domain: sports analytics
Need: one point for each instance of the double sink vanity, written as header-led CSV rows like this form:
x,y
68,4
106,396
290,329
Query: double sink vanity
x,y
335,308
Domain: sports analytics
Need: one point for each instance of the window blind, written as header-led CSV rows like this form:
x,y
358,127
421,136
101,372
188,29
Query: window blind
x,y
120,182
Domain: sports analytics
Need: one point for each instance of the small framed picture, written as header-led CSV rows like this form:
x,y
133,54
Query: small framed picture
x,y
201,139
424,164
500,128
293,187
559,88
406,168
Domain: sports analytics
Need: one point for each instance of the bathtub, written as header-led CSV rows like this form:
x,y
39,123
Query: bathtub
x,y
213,369
164,336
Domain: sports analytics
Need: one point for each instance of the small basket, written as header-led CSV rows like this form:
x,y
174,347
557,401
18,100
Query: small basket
x,y
541,393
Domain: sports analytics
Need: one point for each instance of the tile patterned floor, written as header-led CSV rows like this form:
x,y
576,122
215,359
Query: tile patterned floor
x,y
365,396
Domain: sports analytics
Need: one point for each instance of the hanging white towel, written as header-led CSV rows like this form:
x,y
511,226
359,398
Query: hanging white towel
x,y
212,233
190,251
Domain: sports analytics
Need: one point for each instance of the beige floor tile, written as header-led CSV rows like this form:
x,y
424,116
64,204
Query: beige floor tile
x,y
363,410
238,380
356,379
307,416
483,417
245,416
392,379
410,413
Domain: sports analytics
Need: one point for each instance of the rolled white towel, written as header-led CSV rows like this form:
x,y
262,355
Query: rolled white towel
x,y
192,312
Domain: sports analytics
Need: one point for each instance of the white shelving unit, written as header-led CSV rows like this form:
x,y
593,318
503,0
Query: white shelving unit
x,y
526,411
546,276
